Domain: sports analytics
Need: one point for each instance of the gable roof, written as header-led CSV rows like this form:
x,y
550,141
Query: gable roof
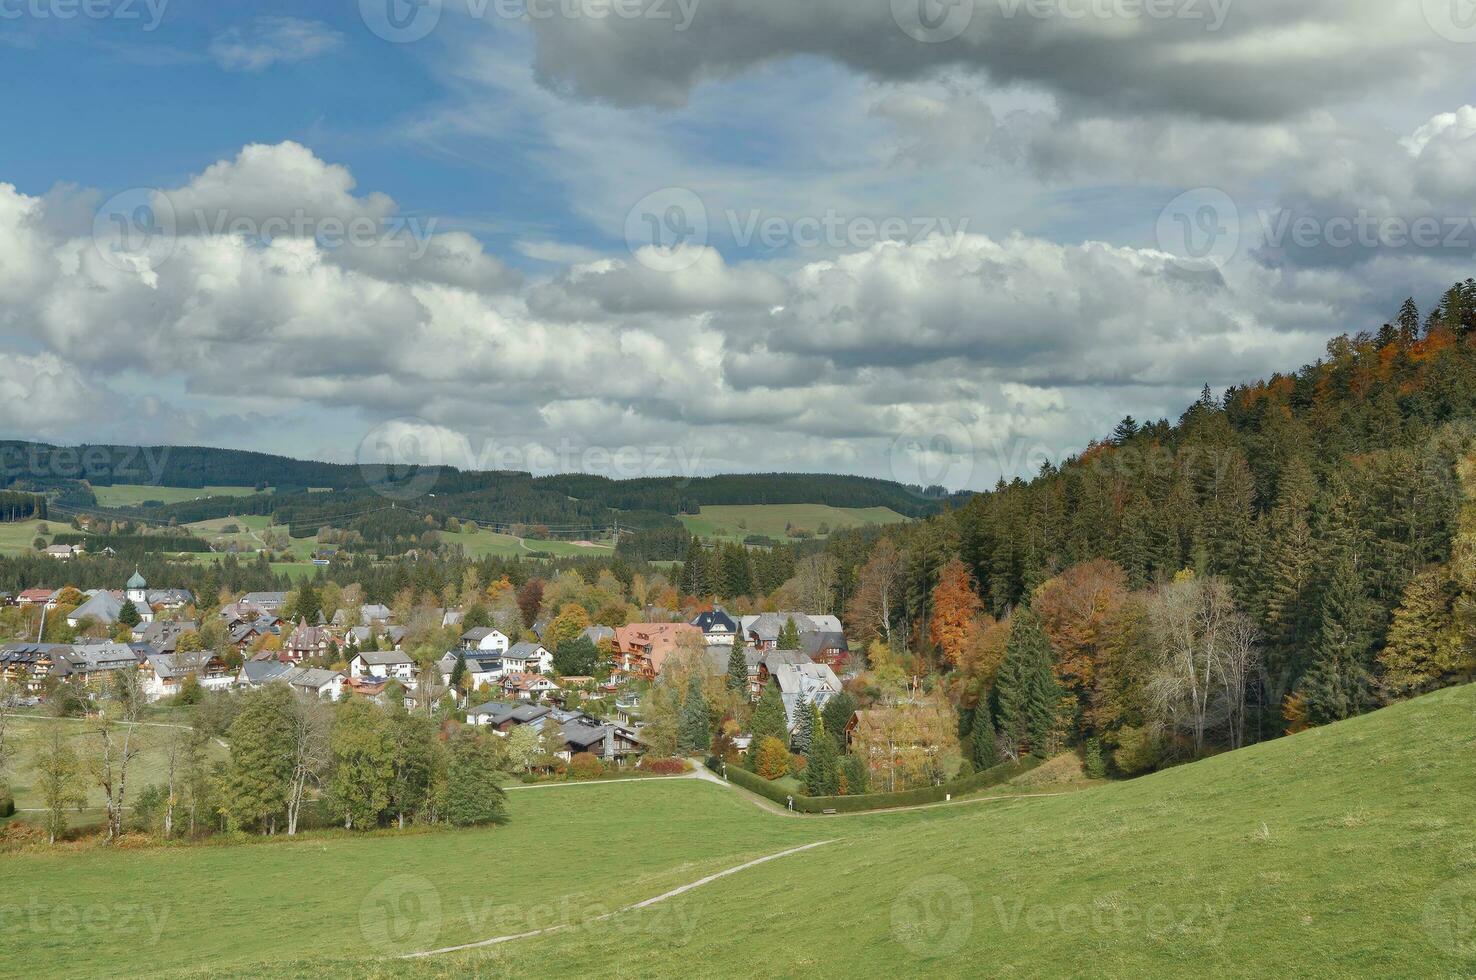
x,y
715,620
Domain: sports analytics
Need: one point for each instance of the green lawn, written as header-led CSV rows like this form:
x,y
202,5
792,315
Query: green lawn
x,y
770,520
1342,851
133,494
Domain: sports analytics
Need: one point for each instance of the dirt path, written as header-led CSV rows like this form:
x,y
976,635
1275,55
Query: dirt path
x,y
665,896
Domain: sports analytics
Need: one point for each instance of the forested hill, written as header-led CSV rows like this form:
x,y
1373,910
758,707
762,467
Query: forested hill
x,y
1335,502
69,472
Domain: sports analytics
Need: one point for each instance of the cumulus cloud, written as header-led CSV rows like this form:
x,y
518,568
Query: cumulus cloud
x,y
1022,344
272,40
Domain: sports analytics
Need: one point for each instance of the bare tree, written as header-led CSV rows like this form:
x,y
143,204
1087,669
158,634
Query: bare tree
x,y
1206,649
815,578
117,731
9,703
311,721
877,585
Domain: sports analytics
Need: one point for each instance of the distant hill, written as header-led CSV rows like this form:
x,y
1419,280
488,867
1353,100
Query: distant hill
x,y
68,474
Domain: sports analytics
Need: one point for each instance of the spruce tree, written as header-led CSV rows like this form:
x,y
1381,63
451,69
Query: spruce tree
x,y
1422,647
1338,684
804,718
694,729
769,718
789,635
822,767
1026,686
128,615
738,669
984,741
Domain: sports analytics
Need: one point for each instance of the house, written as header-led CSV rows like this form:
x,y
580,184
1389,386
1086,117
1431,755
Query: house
x,y
243,635
813,683
26,665
718,628
717,663
307,642
527,687
598,634
163,634
62,552
367,687
171,599
265,601
37,597
93,663
325,684
366,615
101,607
163,673
482,669
603,740
527,658
388,664
641,649
502,716
485,638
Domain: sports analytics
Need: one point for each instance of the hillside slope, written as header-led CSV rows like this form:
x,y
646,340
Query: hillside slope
x,y
1344,850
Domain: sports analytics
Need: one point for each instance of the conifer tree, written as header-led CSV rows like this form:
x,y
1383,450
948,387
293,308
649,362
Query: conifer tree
x,y
738,669
694,732
1422,648
769,718
1338,684
822,775
984,742
804,730
1026,686
789,635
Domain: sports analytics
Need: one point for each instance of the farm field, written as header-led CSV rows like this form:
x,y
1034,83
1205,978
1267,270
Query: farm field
x,y
1241,865
739,521
133,494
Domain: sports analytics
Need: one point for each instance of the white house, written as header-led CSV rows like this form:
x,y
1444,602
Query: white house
x,y
383,664
481,669
485,638
162,673
527,658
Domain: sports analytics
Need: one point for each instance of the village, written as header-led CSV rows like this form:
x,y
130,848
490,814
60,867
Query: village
x,y
485,678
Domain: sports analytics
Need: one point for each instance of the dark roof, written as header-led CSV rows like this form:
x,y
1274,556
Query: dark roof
x,y
716,621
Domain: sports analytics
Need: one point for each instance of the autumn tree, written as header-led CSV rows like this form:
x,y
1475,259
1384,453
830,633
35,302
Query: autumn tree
x,y
955,607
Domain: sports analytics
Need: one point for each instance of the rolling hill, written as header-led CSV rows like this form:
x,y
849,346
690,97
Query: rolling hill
x,y
1342,850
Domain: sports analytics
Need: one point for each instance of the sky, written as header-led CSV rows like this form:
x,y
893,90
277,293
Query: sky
x,y
938,241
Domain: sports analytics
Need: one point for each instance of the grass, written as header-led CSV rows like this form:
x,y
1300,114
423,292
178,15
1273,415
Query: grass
x,y
31,734
17,537
133,494
1344,850
480,543
770,520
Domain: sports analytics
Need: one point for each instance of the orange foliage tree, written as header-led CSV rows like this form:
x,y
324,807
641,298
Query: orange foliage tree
x,y
1079,608
955,607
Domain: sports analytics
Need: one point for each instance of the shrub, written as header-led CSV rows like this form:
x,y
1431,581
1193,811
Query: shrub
x,y
584,765
1093,763
772,758
7,804
797,764
664,767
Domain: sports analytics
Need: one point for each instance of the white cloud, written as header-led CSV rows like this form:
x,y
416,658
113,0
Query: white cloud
x,y
272,40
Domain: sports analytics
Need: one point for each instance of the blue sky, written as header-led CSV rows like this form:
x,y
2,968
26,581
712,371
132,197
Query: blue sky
x,y
891,239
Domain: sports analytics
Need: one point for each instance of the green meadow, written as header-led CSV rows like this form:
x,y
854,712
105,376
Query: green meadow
x,y
133,494
1341,851
771,520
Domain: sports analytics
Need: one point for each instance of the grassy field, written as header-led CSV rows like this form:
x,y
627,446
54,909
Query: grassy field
x,y
30,735
480,543
1342,851
770,520
133,494
17,537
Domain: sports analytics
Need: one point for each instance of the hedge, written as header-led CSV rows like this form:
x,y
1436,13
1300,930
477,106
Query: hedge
x,y
7,806
1001,773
